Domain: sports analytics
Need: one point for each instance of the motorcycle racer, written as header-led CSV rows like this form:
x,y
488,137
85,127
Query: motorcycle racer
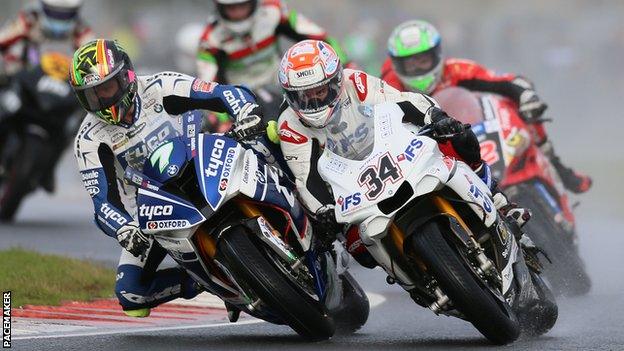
x,y
240,46
128,117
52,25
320,94
416,63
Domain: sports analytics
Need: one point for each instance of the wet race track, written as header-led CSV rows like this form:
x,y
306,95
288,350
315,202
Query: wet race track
x,y
62,224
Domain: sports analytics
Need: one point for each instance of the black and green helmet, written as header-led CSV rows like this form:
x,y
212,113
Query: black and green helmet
x,y
414,48
103,78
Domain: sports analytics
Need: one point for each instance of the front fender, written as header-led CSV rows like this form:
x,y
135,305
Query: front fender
x,y
460,235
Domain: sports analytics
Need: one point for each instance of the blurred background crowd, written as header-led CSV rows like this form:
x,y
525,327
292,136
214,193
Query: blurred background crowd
x,y
572,50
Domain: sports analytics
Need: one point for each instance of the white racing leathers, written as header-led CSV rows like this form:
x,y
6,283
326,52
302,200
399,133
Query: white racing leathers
x,y
103,151
302,145
252,59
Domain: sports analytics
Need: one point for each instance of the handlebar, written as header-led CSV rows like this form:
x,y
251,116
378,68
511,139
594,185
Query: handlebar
x,y
250,135
430,132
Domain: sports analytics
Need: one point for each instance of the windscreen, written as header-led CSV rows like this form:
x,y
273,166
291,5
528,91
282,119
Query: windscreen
x,y
351,134
460,104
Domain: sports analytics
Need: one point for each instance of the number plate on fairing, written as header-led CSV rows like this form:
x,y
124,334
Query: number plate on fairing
x,y
397,153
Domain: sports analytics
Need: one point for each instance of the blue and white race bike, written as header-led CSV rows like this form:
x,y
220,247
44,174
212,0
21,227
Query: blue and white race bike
x,y
234,224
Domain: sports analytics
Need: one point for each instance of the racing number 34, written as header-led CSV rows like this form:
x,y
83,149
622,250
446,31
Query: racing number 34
x,y
376,177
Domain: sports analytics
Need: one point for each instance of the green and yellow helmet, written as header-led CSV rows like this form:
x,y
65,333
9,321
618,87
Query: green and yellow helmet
x,y
414,48
103,79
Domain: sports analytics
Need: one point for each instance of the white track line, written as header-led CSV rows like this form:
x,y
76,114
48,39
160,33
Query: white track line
x,y
138,330
374,300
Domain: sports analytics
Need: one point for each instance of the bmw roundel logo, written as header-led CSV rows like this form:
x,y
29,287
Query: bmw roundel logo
x,y
172,170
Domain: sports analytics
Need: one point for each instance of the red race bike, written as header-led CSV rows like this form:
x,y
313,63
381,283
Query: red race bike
x,y
527,177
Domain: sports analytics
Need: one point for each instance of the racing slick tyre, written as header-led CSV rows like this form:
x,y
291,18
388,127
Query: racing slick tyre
x,y
567,273
353,313
463,288
245,261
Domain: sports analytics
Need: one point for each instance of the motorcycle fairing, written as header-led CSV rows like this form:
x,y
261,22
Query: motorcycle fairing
x,y
270,186
166,161
162,210
216,156
408,157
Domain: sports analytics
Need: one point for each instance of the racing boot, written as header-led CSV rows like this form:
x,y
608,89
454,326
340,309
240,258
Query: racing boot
x,y
573,181
138,313
357,249
232,311
511,210
48,182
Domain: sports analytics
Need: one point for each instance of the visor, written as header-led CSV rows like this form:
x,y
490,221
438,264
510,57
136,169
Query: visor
x,y
315,98
57,13
105,93
222,8
417,64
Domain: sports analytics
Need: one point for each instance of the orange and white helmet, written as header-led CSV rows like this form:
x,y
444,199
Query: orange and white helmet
x,y
311,75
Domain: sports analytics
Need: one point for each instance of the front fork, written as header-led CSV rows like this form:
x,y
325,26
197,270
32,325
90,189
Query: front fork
x,y
207,247
400,275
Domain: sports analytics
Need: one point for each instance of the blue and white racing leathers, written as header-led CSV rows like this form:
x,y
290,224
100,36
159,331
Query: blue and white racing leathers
x,y
103,151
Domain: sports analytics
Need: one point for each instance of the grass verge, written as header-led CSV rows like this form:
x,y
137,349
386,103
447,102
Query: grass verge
x,y
42,279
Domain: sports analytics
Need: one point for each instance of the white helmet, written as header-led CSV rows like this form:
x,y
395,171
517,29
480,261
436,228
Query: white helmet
x,y
244,11
59,16
311,76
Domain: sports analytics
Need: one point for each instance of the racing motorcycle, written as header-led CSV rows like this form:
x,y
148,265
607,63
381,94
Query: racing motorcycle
x,y
430,223
234,224
528,178
39,115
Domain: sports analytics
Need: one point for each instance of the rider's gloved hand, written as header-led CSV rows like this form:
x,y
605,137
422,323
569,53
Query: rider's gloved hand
x,y
248,122
326,225
133,240
531,107
442,124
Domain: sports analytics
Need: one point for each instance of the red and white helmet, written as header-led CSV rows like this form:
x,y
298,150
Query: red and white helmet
x,y
311,75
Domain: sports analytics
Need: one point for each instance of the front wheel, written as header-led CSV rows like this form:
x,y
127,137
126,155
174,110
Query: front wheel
x,y
246,263
467,294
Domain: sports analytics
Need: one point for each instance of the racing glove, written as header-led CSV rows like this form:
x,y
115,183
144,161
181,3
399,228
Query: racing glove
x,y
531,107
133,240
248,122
444,125
326,225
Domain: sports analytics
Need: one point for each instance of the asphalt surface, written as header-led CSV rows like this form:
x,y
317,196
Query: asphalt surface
x,y
62,224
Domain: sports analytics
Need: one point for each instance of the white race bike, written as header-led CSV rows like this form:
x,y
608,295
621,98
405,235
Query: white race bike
x,y
430,222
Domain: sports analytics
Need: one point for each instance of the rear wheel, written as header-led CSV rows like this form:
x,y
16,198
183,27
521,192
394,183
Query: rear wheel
x,y
354,309
467,294
22,176
245,261
567,273
540,316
